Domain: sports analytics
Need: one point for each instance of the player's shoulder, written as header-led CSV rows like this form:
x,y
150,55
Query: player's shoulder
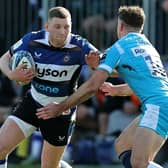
x,y
76,37
35,35
133,38
78,40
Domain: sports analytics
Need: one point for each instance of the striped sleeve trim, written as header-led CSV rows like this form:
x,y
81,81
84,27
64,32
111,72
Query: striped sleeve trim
x,y
106,68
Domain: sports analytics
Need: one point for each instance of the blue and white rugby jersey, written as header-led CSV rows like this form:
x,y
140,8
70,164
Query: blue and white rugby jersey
x,y
138,62
57,69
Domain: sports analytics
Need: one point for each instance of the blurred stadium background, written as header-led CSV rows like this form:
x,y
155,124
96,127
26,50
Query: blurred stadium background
x,y
38,166
93,19
21,16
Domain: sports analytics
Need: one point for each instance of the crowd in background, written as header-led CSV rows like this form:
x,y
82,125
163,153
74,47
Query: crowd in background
x,y
99,120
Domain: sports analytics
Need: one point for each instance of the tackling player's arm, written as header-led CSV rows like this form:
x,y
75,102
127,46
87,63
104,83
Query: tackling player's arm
x,y
87,90
114,74
116,90
93,59
84,92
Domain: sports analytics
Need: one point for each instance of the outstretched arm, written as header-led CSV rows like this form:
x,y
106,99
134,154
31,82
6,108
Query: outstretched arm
x,y
116,90
114,74
92,59
84,92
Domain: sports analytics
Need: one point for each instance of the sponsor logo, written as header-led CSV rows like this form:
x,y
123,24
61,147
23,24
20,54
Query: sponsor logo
x,y
26,64
41,72
37,55
66,58
138,51
61,138
128,67
45,88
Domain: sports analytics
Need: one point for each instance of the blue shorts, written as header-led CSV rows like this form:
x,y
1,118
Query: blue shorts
x,y
155,117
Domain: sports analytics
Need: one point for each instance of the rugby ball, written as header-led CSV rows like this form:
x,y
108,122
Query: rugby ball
x,y
22,57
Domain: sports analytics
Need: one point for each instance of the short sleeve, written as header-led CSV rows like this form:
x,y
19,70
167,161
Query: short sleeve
x,y
110,59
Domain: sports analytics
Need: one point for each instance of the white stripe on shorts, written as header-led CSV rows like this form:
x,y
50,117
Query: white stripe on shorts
x,y
26,128
151,116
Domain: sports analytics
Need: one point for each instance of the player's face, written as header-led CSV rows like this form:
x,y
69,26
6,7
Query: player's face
x,y
165,5
59,30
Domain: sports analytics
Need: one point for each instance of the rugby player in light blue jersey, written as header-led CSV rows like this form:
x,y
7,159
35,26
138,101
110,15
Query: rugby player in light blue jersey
x,y
138,62
59,56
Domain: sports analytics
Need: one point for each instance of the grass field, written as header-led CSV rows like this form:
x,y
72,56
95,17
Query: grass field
x,y
77,166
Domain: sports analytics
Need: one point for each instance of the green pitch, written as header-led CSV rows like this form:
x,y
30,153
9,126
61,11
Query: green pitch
x,y
25,166
77,166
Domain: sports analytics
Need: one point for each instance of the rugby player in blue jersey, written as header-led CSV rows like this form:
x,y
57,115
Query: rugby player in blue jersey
x,y
138,62
59,56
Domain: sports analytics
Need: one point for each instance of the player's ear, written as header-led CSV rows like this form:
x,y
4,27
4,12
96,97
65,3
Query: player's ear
x,y
121,26
46,26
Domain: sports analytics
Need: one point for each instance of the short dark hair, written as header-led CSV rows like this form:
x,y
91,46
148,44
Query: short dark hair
x,y
59,12
133,16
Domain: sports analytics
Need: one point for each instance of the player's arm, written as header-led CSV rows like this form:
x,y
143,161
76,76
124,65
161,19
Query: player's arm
x,y
4,64
84,92
114,74
92,59
18,74
90,54
116,90
87,90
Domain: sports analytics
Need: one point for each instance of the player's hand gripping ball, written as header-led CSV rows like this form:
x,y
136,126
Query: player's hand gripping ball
x,y
22,57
